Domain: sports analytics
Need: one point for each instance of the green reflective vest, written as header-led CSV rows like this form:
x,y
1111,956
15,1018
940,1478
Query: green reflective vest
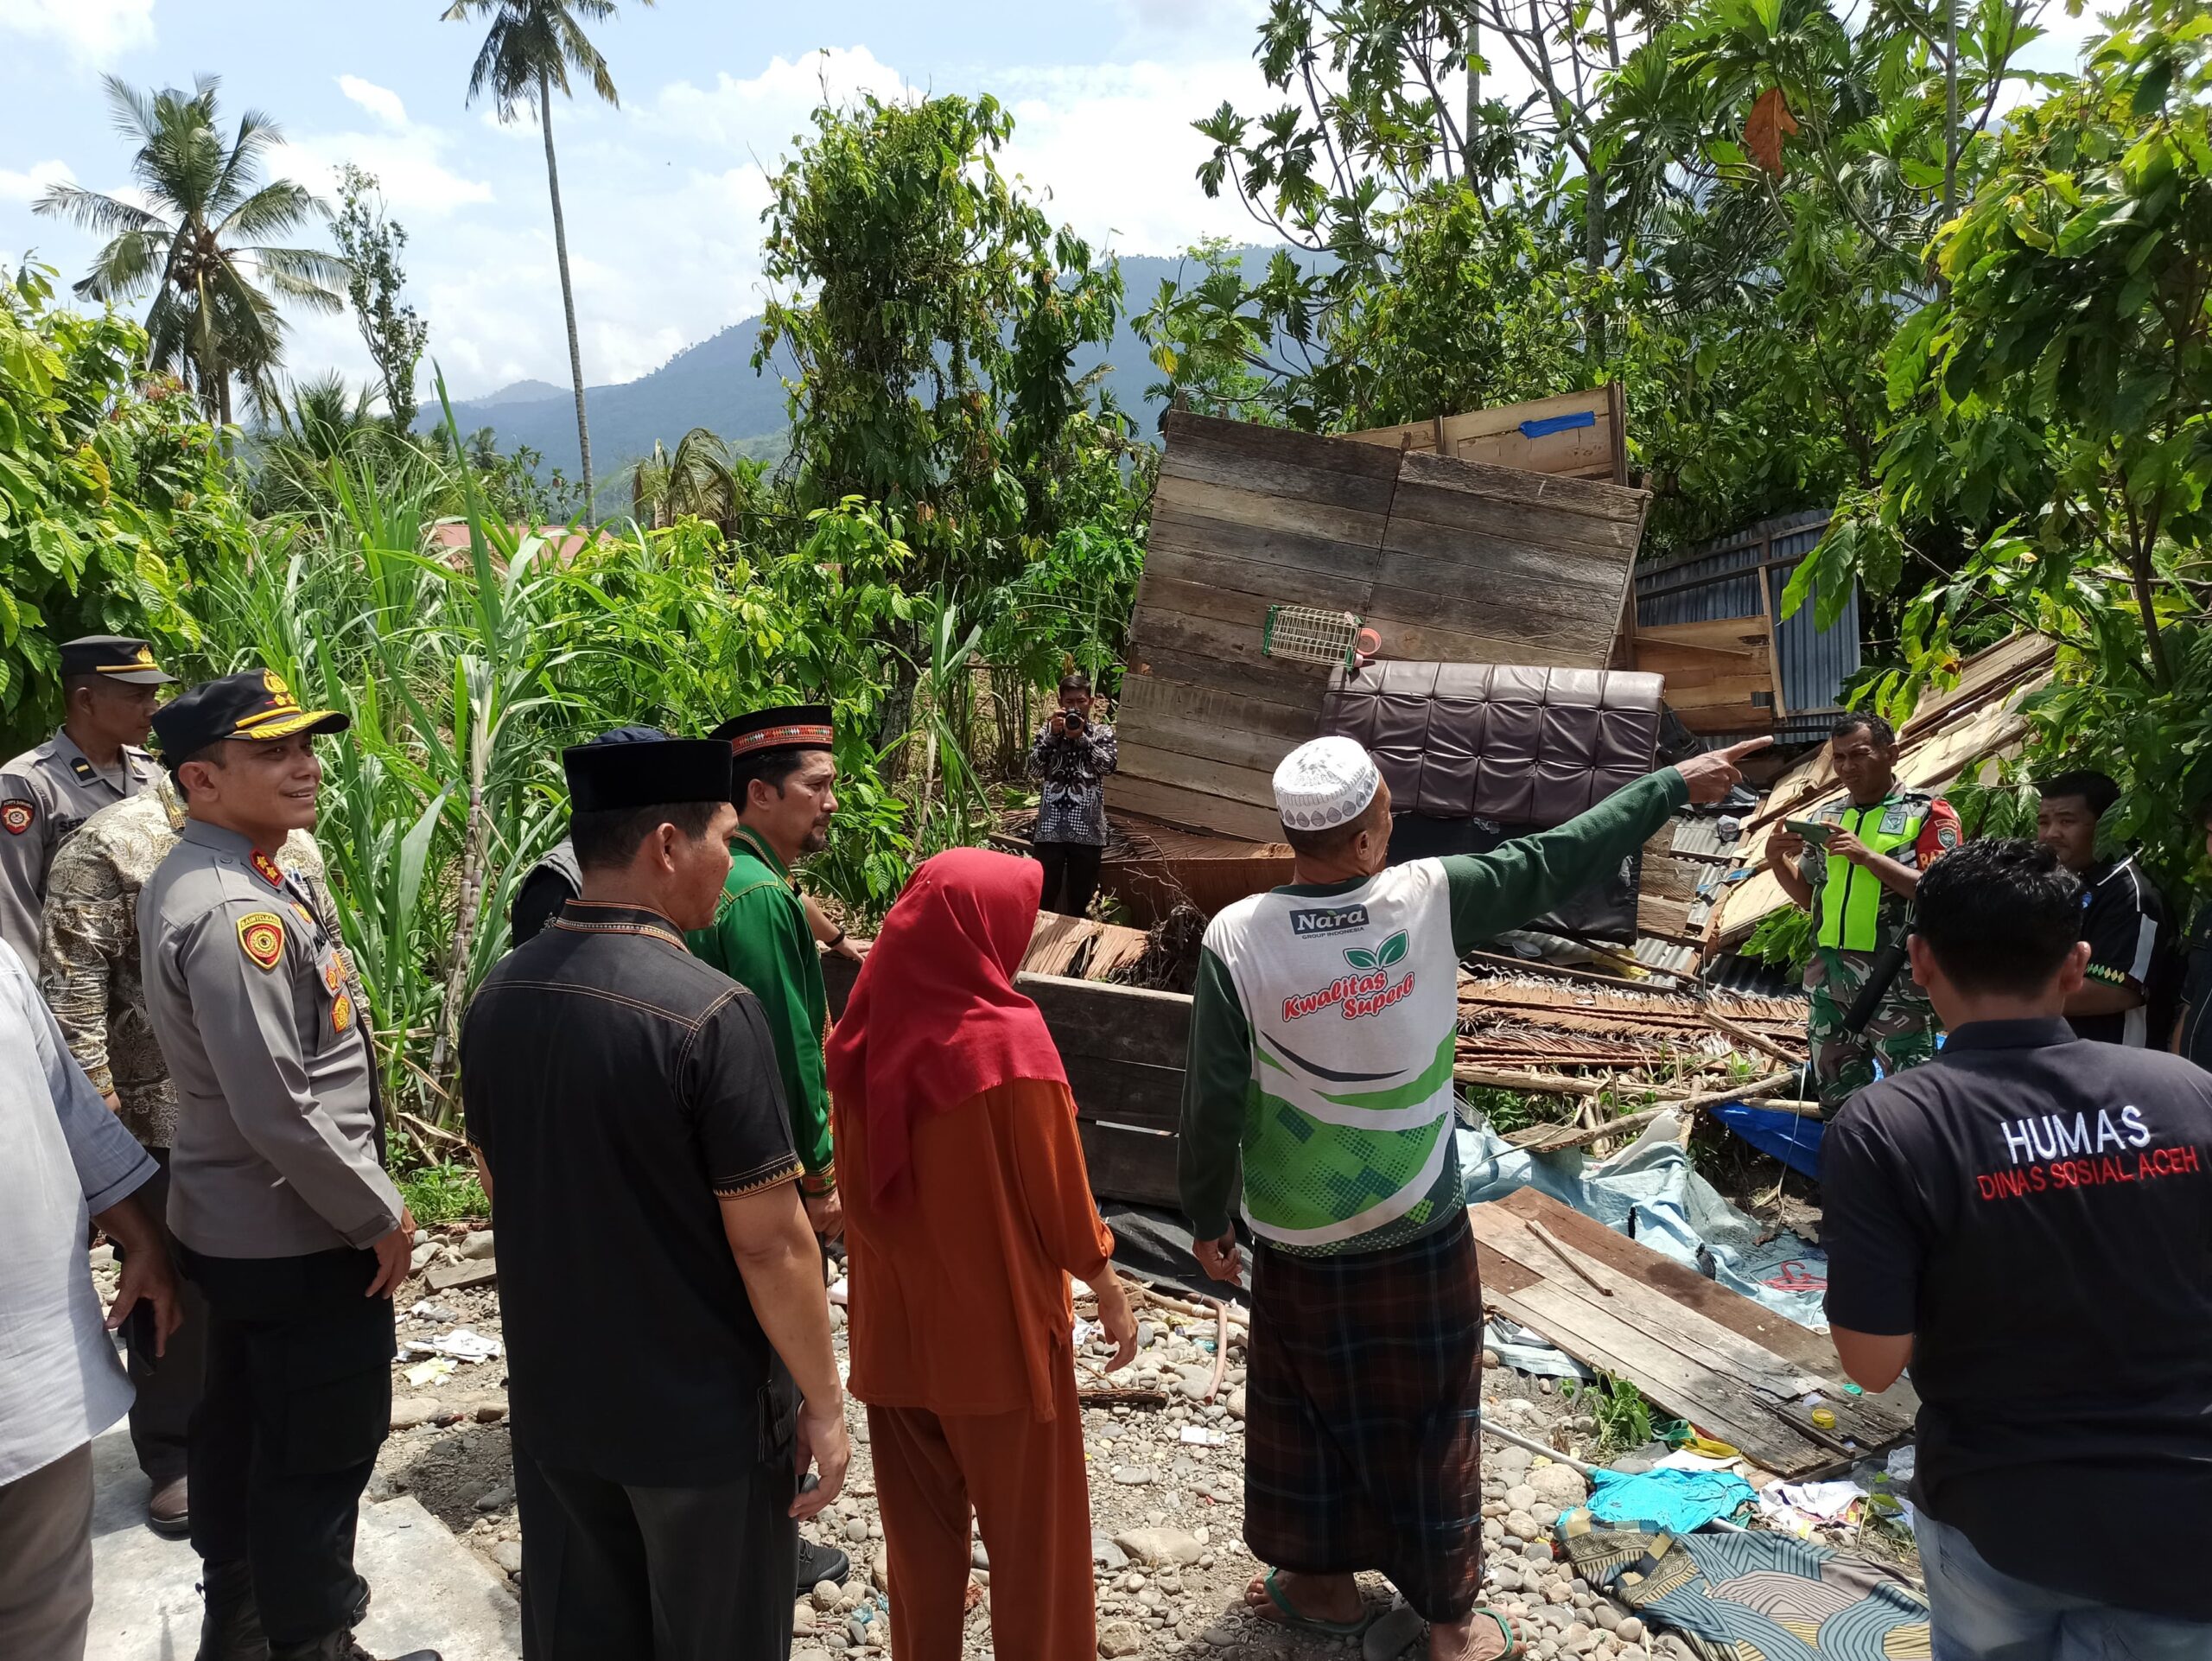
x,y
1849,901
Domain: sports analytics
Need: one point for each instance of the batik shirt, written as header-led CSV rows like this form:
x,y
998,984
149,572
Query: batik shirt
x,y
1070,770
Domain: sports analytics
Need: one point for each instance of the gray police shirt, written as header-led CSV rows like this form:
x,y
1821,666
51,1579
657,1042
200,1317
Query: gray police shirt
x,y
278,1150
45,794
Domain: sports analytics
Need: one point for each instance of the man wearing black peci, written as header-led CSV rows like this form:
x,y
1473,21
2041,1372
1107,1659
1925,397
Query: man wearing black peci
x,y
623,1101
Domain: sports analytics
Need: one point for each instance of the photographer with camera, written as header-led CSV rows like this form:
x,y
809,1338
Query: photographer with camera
x,y
1070,760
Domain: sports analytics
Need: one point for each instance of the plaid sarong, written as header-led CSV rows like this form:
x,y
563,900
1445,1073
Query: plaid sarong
x,y
1362,1445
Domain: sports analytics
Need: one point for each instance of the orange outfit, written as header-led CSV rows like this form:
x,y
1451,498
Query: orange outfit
x,y
961,1347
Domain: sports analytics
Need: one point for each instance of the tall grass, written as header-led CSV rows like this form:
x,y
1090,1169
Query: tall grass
x,y
465,675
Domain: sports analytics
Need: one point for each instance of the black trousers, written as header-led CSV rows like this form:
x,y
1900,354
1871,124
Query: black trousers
x,y
1070,875
167,1385
657,1574
297,1401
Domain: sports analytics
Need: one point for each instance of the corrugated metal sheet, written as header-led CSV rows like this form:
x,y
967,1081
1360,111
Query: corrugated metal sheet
x,y
1814,664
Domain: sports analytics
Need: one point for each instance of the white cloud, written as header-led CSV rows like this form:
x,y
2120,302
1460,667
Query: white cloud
x,y
379,101
761,113
92,30
30,184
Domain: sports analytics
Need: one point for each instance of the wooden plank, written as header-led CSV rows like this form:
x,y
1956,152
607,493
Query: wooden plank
x,y
1204,741
1207,539
1435,481
1168,558
1229,505
1240,610
1213,464
1444,559
1191,809
1281,444
1127,1092
1117,1023
1714,633
1800,1351
1130,1165
1151,698
1194,654
1799,1346
1535,644
1254,786
1575,453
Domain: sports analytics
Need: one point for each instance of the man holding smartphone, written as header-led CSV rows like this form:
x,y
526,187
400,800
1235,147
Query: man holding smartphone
x,y
1858,882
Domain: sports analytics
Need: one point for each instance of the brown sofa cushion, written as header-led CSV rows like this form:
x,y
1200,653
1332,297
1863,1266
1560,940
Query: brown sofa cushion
x,y
1527,747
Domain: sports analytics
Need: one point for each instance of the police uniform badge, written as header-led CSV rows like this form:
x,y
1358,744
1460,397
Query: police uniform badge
x,y
273,683
267,869
341,1012
1893,820
16,816
261,936
82,769
333,976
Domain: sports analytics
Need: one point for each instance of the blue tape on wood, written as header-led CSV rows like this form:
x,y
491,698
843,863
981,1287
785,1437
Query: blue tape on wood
x,y
1552,424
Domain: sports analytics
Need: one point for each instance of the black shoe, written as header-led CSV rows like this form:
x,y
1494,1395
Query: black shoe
x,y
340,1647
818,1563
230,1627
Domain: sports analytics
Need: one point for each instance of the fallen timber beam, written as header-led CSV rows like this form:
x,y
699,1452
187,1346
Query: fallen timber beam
x,y
1550,1139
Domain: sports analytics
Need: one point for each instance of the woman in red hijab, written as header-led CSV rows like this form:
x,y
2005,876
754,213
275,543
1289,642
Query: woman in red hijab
x,y
967,1209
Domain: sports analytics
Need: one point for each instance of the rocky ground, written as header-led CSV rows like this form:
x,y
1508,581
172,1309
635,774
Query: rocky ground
x,y
1167,1495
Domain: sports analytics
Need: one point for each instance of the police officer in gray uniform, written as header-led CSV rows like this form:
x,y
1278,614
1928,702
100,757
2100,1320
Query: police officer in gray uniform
x,y
109,681
283,1213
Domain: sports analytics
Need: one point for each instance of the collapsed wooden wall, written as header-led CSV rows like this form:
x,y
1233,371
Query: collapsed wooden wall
x,y
1599,450
1449,560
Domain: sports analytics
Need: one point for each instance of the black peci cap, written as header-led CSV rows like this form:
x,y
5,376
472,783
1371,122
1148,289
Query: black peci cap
x,y
790,727
112,657
256,705
611,778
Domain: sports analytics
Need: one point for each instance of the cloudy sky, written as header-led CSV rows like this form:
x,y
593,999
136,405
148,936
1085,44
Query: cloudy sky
x,y
664,195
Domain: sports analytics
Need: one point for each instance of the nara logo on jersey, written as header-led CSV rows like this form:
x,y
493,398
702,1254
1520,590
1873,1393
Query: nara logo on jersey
x,y
1330,919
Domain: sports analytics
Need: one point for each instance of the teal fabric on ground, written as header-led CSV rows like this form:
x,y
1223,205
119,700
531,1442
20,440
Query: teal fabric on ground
x,y
1667,1502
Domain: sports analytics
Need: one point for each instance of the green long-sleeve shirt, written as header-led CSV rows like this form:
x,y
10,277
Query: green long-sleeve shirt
x,y
760,939
1489,893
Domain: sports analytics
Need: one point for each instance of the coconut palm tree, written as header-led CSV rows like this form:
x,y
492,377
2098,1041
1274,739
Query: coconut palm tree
x,y
202,241
528,51
700,478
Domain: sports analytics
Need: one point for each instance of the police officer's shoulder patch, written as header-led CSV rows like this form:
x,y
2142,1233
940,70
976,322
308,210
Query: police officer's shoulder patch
x,y
261,936
341,1012
1947,834
17,815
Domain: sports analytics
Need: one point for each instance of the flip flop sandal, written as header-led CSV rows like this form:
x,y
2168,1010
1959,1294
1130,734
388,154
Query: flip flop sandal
x,y
1296,1622
1505,1629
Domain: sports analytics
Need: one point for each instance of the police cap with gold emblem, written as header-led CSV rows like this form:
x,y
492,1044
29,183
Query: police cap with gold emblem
x,y
112,657
255,705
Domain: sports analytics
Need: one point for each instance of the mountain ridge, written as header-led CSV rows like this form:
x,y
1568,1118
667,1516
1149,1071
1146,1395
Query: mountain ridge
x,y
711,383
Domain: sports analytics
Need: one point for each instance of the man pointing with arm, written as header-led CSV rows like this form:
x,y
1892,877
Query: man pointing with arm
x,y
1322,1040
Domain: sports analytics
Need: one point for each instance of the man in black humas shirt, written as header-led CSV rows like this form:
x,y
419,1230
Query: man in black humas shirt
x,y
2028,1219
671,1371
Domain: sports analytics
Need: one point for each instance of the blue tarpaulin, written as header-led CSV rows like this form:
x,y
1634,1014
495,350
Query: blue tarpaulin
x,y
1796,1141
1557,424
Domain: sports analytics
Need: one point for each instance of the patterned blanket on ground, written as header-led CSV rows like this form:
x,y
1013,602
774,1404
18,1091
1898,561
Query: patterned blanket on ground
x,y
1754,1596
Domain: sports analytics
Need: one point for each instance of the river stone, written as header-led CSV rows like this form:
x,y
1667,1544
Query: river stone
x,y
1555,1485
1119,1637
1156,1546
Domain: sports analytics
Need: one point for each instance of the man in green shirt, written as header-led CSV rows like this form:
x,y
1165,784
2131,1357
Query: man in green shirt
x,y
783,782
1323,1035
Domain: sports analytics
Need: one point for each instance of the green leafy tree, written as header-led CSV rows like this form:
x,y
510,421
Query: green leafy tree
x,y
934,316
202,241
528,52
702,479
2052,411
371,244
114,497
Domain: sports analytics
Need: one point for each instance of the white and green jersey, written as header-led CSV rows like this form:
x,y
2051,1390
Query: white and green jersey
x,y
1326,1023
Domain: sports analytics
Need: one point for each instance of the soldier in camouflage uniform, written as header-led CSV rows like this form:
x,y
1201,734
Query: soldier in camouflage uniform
x,y
89,976
1859,885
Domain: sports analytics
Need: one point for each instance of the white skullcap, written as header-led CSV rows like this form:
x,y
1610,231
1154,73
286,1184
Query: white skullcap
x,y
1324,782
